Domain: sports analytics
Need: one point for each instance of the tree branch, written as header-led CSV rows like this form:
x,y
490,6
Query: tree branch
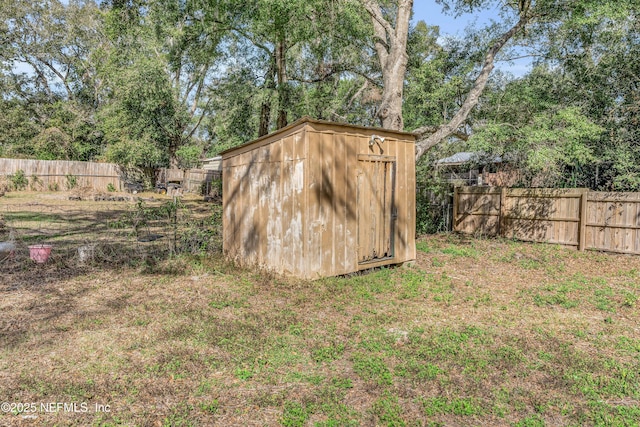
x,y
474,95
358,93
373,9
382,30
463,136
197,125
252,40
60,76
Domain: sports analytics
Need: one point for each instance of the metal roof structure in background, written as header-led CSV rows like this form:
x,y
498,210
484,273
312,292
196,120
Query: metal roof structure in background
x,y
212,164
468,157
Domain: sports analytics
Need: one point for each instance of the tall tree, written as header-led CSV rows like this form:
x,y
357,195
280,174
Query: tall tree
x,y
159,66
391,48
280,33
50,75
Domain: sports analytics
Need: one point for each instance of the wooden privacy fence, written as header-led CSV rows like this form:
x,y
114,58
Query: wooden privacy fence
x,y
574,217
60,173
192,180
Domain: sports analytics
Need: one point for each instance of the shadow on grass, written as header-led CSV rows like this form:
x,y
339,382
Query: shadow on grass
x,y
64,279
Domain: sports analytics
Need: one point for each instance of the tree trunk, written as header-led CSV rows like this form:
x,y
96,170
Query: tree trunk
x,y
265,115
173,157
265,109
283,93
391,47
390,111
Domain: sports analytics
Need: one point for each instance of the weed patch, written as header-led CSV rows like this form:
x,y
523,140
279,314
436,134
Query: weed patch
x,y
372,369
456,406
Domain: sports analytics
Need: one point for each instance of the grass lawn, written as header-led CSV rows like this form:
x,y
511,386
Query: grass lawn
x,y
477,332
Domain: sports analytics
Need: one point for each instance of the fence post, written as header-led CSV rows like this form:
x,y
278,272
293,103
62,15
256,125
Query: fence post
x,y
503,210
455,209
582,225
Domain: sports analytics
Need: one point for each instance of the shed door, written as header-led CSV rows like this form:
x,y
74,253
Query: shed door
x,y
376,209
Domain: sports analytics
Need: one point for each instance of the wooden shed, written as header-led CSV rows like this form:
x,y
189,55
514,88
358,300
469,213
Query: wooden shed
x,y
318,199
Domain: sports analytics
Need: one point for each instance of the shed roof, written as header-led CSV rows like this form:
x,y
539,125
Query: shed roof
x,y
300,123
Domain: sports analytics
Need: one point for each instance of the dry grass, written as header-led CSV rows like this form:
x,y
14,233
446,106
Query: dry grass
x,y
479,332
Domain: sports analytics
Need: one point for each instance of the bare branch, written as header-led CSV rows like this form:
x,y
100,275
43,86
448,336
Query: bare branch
x,y
373,9
515,58
253,40
382,30
197,125
59,75
358,93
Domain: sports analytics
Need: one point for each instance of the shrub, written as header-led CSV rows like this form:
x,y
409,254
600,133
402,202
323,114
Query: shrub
x,y
19,180
72,181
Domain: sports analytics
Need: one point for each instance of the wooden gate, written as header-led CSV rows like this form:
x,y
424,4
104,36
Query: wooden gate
x,y
376,210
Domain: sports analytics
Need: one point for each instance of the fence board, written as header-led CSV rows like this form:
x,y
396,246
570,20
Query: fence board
x,y
614,221
572,217
58,173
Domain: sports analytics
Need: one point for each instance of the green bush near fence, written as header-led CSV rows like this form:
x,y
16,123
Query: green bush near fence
x,y
19,180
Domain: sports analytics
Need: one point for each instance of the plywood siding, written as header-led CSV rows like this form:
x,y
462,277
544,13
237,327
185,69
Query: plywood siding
x,y
335,222
262,205
290,202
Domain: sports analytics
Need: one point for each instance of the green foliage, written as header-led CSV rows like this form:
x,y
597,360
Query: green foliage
x,y
294,415
550,147
437,77
458,251
388,411
210,407
569,122
328,353
456,406
244,374
71,181
188,156
139,126
234,122
48,109
19,180
111,188
433,196
18,126
372,368
531,421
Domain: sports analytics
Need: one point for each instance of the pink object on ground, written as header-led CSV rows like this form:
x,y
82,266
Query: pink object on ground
x,y
40,253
